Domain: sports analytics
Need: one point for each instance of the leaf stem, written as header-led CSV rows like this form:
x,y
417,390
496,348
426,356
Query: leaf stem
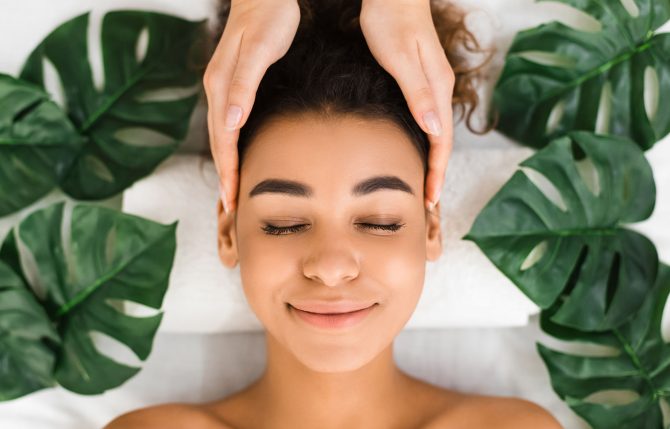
x,y
110,101
656,393
89,290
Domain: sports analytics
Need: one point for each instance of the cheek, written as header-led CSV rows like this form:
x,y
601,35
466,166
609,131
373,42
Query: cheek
x,y
401,272
262,270
399,263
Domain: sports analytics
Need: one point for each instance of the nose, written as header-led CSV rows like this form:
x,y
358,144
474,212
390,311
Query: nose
x,y
331,265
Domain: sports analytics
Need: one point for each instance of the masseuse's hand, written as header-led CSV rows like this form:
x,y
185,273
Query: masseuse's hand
x,y
257,34
402,38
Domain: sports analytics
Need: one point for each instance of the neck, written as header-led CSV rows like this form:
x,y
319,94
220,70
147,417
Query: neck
x,y
294,396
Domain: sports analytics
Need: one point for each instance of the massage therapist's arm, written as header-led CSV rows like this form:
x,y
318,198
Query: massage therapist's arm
x,y
402,38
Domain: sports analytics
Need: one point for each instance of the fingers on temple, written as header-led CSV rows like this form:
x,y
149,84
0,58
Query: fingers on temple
x,y
407,70
227,164
438,157
231,82
441,78
252,63
216,82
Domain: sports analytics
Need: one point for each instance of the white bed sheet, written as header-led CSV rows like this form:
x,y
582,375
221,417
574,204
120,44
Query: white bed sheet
x,y
204,367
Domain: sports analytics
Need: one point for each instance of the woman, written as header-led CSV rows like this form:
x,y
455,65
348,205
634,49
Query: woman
x,y
331,234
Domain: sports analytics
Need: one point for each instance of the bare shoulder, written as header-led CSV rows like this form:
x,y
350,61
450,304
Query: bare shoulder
x,y
167,416
496,411
520,413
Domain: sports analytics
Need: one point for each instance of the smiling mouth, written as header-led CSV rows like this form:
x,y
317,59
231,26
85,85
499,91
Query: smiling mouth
x,y
331,307
333,320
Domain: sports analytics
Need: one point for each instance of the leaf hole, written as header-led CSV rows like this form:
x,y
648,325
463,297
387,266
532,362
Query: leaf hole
x,y
68,244
94,50
631,8
535,255
546,187
613,397
579,348
141,45
548,59
574,274
665,322
665,410
576,151
612,281
29,267
555,116
132,308
114,349
651,92
574,18
110,246
168,94
52,83
144,137
98,168
604,109
589,174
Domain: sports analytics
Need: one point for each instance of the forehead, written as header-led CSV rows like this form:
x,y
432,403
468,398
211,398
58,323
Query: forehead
x,y
312,148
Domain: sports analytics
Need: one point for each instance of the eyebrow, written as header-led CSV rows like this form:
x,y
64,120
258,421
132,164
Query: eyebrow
x,y
299,189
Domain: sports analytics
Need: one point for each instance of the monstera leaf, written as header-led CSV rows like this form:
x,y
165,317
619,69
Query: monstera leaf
x,y
80,276
37,144
572,248
25,330
134,122
556,78
641,365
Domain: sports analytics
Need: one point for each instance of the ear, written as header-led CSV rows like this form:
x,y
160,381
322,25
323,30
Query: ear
x,y
226,236
433,234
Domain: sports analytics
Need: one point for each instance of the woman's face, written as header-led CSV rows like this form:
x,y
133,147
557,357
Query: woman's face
x,y
332,256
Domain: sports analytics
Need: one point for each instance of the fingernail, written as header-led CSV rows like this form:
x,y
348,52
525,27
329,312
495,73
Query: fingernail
x,y
435,200
233,116
432,123
223,200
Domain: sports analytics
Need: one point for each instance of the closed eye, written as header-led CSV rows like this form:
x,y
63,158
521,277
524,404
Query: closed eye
x,y
276,230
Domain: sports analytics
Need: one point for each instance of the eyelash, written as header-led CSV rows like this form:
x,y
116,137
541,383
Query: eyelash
x,y
276,230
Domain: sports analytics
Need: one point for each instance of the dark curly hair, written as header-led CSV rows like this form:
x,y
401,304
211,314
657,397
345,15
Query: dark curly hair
x,y
329,71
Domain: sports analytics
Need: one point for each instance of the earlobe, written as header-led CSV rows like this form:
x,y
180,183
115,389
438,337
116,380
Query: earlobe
x,y
433,234
226,236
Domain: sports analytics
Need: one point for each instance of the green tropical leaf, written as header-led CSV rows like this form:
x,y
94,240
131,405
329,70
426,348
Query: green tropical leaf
x,y
25,330
37,144
641,364
129,126
538,102
106,257
573,247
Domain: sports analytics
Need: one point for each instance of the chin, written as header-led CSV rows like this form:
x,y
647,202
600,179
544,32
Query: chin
x,y
334,357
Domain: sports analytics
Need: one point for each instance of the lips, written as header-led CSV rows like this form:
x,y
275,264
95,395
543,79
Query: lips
x,y
333,320
331,308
